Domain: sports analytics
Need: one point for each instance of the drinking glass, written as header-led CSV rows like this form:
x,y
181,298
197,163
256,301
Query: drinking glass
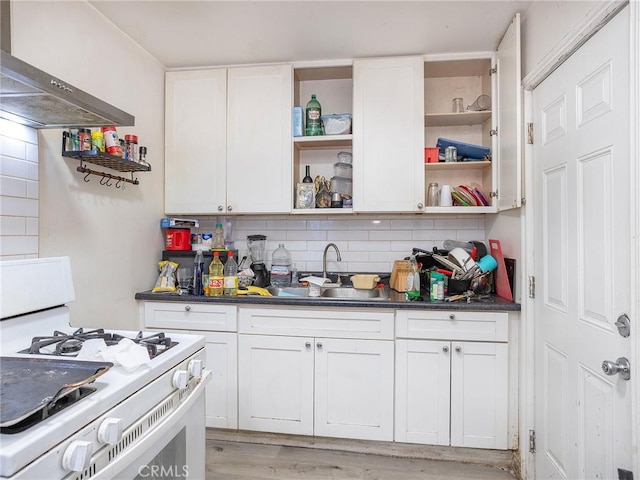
x,y
185,279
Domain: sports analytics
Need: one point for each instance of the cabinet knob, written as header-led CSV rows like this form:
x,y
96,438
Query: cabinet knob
x,y
458,348
420,206
220,208
452,316
319,344
229,208
445,349
187,308
308,344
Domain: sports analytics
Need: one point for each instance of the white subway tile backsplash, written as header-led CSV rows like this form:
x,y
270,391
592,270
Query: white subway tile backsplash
x,y
338,236
19,207
18,132
13,226
33,226
12,147
306,235
13,187
18,245
389,234
32,189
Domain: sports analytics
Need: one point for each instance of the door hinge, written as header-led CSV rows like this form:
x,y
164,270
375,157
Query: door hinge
x,y
493,70
493,194
532,287
532,441
625,474
530,133
523,201
493,132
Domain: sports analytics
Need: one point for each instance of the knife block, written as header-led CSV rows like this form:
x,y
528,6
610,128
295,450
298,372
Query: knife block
x,y
399,275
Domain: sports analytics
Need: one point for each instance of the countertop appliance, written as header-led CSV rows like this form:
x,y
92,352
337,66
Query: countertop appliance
x,y
257,245
118,423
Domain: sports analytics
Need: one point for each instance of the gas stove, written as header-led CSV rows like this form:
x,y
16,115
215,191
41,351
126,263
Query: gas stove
x,y
108,421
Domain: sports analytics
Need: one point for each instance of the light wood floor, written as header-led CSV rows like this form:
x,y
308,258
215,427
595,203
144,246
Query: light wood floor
x,y
229,459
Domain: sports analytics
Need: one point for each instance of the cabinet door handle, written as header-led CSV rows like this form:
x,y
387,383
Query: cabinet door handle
x,y
452,317
445,349
420,206
319,344
220,208
458,348
308,344
187,308
229,208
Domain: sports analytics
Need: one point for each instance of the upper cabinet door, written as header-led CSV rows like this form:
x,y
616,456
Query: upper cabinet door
x,y
388,135
259,160
195,141
509,112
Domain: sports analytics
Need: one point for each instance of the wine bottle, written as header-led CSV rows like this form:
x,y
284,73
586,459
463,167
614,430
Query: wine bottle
x,y
307,176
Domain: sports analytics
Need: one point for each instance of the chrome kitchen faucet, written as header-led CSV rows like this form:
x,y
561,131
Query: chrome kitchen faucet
x,y
324,260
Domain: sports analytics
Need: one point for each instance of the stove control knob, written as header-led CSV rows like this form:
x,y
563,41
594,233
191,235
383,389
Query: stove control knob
x,y
110,431
195,368
77,456
181,379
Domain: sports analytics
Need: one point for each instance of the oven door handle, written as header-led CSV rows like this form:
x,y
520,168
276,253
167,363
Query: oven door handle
x,y
131,455
72,386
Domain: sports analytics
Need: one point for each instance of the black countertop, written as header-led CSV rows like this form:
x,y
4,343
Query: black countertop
x,y
395,300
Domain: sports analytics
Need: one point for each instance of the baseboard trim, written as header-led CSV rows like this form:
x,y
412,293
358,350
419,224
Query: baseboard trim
x,y
503,459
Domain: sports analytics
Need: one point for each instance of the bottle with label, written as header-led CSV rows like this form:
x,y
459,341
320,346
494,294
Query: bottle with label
x,y
216,276
111,141
218,237
437,287
198,271
307,175
313,123
281,267
230,280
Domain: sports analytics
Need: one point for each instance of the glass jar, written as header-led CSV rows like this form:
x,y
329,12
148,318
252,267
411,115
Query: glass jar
x,y
433,194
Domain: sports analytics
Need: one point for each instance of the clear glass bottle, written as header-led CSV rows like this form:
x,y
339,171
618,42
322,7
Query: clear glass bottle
x,y
433,194
216,276
230,276
313,123
218,237
413,278
281,267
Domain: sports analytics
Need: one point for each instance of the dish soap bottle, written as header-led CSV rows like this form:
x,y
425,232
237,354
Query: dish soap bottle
x,y
281,267
313,124
413,279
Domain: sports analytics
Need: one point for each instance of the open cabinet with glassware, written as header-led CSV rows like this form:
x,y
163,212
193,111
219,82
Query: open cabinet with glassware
x,y
333,87
474,103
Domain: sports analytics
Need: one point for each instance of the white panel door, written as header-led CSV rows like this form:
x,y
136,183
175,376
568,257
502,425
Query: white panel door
x,y
195,141
275,384
222,391
354,389
388,135
582,259
479,409
423,394
259,157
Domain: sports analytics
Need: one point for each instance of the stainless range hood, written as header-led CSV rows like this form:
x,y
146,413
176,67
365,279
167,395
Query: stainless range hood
x,y
32,97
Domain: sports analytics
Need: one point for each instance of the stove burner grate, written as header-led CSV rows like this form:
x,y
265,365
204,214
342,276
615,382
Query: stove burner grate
x,y
65,344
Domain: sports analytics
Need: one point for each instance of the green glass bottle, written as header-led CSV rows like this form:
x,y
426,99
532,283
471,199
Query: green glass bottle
x,y
313,124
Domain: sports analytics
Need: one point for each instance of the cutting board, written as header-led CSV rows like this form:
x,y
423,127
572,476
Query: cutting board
x,y
503,289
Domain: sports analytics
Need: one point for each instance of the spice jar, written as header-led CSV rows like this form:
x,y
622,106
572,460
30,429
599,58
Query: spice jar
x,y
111,142
84,135
97,139
432,195
131,145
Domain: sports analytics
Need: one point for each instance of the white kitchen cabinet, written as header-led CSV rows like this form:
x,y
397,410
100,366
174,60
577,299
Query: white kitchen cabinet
x,y
496,74
338,385
388,138
452,392
221,347
226,131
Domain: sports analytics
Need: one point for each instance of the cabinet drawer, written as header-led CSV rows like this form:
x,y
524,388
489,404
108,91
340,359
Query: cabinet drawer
x,y
352,323
452,325
190,316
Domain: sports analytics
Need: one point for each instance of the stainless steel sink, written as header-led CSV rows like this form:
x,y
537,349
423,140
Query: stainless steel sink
x,y
293,291
349,293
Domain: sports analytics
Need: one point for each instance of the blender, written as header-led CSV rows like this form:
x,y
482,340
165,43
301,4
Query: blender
x,y
257,245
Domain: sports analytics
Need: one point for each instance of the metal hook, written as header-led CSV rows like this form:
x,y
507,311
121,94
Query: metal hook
x,y
118,182
103,180
86,177
108,183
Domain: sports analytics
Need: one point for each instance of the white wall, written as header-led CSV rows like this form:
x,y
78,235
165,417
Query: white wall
x,y
18,191
111,235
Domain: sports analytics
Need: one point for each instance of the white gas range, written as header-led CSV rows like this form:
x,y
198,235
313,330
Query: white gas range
x,y
113,423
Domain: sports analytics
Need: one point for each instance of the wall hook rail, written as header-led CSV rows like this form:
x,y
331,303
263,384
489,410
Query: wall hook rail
x,y
106,178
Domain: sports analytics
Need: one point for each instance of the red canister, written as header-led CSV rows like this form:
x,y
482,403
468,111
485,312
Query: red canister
x,y
178,239
84,134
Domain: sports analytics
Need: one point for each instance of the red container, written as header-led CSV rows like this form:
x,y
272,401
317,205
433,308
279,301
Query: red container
x,y
431,155
178,239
